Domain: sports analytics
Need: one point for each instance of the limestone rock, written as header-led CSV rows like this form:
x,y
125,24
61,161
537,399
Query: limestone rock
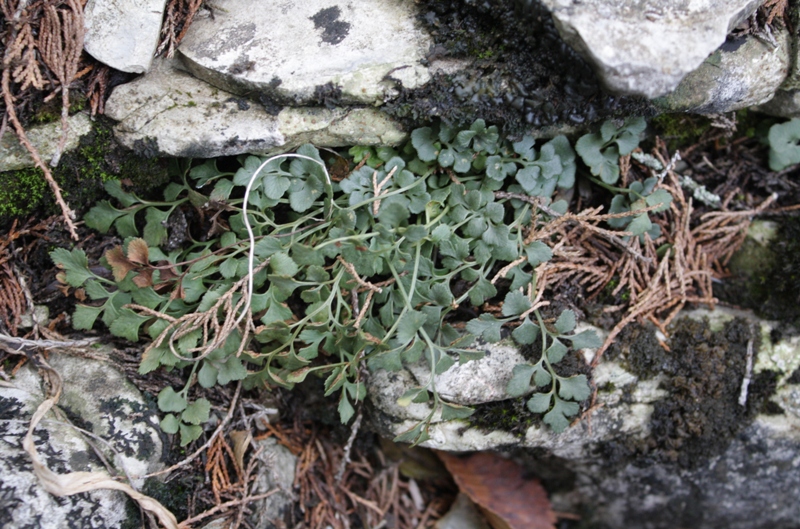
x,y
97,398
741,73
304,52
276,470
169,112
632,465
123,35
478,381
785,104
647,48
45,138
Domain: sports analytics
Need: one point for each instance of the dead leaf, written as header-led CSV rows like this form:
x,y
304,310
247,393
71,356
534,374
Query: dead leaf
x,y
144,278
497,485
241,440
138,252
120,265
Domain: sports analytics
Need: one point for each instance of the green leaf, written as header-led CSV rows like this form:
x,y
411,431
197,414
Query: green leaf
x,y
415,435
207,376
423,141
538,253
102,216
231,369
441,295
659,196
155,232
413,395
540,402
557,417
565,322
85,316
228,267
393,214
520,382
640,224
556,351
515,303
409,324
587,339
169,424
388,360
784,144
574,388
168,400
283,265
444,363
346,410
267,247
486,326
481,291
114,188
197,412
189,432
454,411
126,325
526,333
74,263
416,233
542,376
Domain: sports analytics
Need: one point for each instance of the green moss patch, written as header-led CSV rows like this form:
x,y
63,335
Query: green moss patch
x,y
80,174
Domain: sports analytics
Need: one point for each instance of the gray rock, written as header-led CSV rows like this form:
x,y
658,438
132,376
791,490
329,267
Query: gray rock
x,y
97,398
478,381
123,35
785,104
647,48
276,470
462,515
289,51
45,138
169,112
742,73
616,472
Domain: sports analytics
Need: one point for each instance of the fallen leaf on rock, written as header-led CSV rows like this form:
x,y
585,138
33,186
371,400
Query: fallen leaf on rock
x,y
508,500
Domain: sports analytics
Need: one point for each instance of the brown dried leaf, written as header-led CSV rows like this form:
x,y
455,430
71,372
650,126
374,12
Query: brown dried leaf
x,y
138,252
497,485
241,440
120,265
144,278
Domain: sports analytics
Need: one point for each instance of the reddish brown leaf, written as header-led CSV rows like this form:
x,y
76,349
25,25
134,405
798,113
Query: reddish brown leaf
x,y
120,265
80,294
138,251
497,485
144,278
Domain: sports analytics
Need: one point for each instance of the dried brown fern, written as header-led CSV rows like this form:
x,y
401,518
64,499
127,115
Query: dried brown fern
x,y
19,68
61,44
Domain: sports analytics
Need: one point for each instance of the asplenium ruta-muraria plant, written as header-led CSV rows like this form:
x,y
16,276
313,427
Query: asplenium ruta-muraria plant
x,y
373,268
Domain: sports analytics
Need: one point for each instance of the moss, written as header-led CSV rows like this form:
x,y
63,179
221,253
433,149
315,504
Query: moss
x,y
767,278
174,495
80,174
703,375
680,130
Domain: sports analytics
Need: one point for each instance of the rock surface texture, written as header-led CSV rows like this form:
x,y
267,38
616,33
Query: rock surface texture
x,y
170,112
303,52
742,73
647,48
123,35
45,138
97,398
675,439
